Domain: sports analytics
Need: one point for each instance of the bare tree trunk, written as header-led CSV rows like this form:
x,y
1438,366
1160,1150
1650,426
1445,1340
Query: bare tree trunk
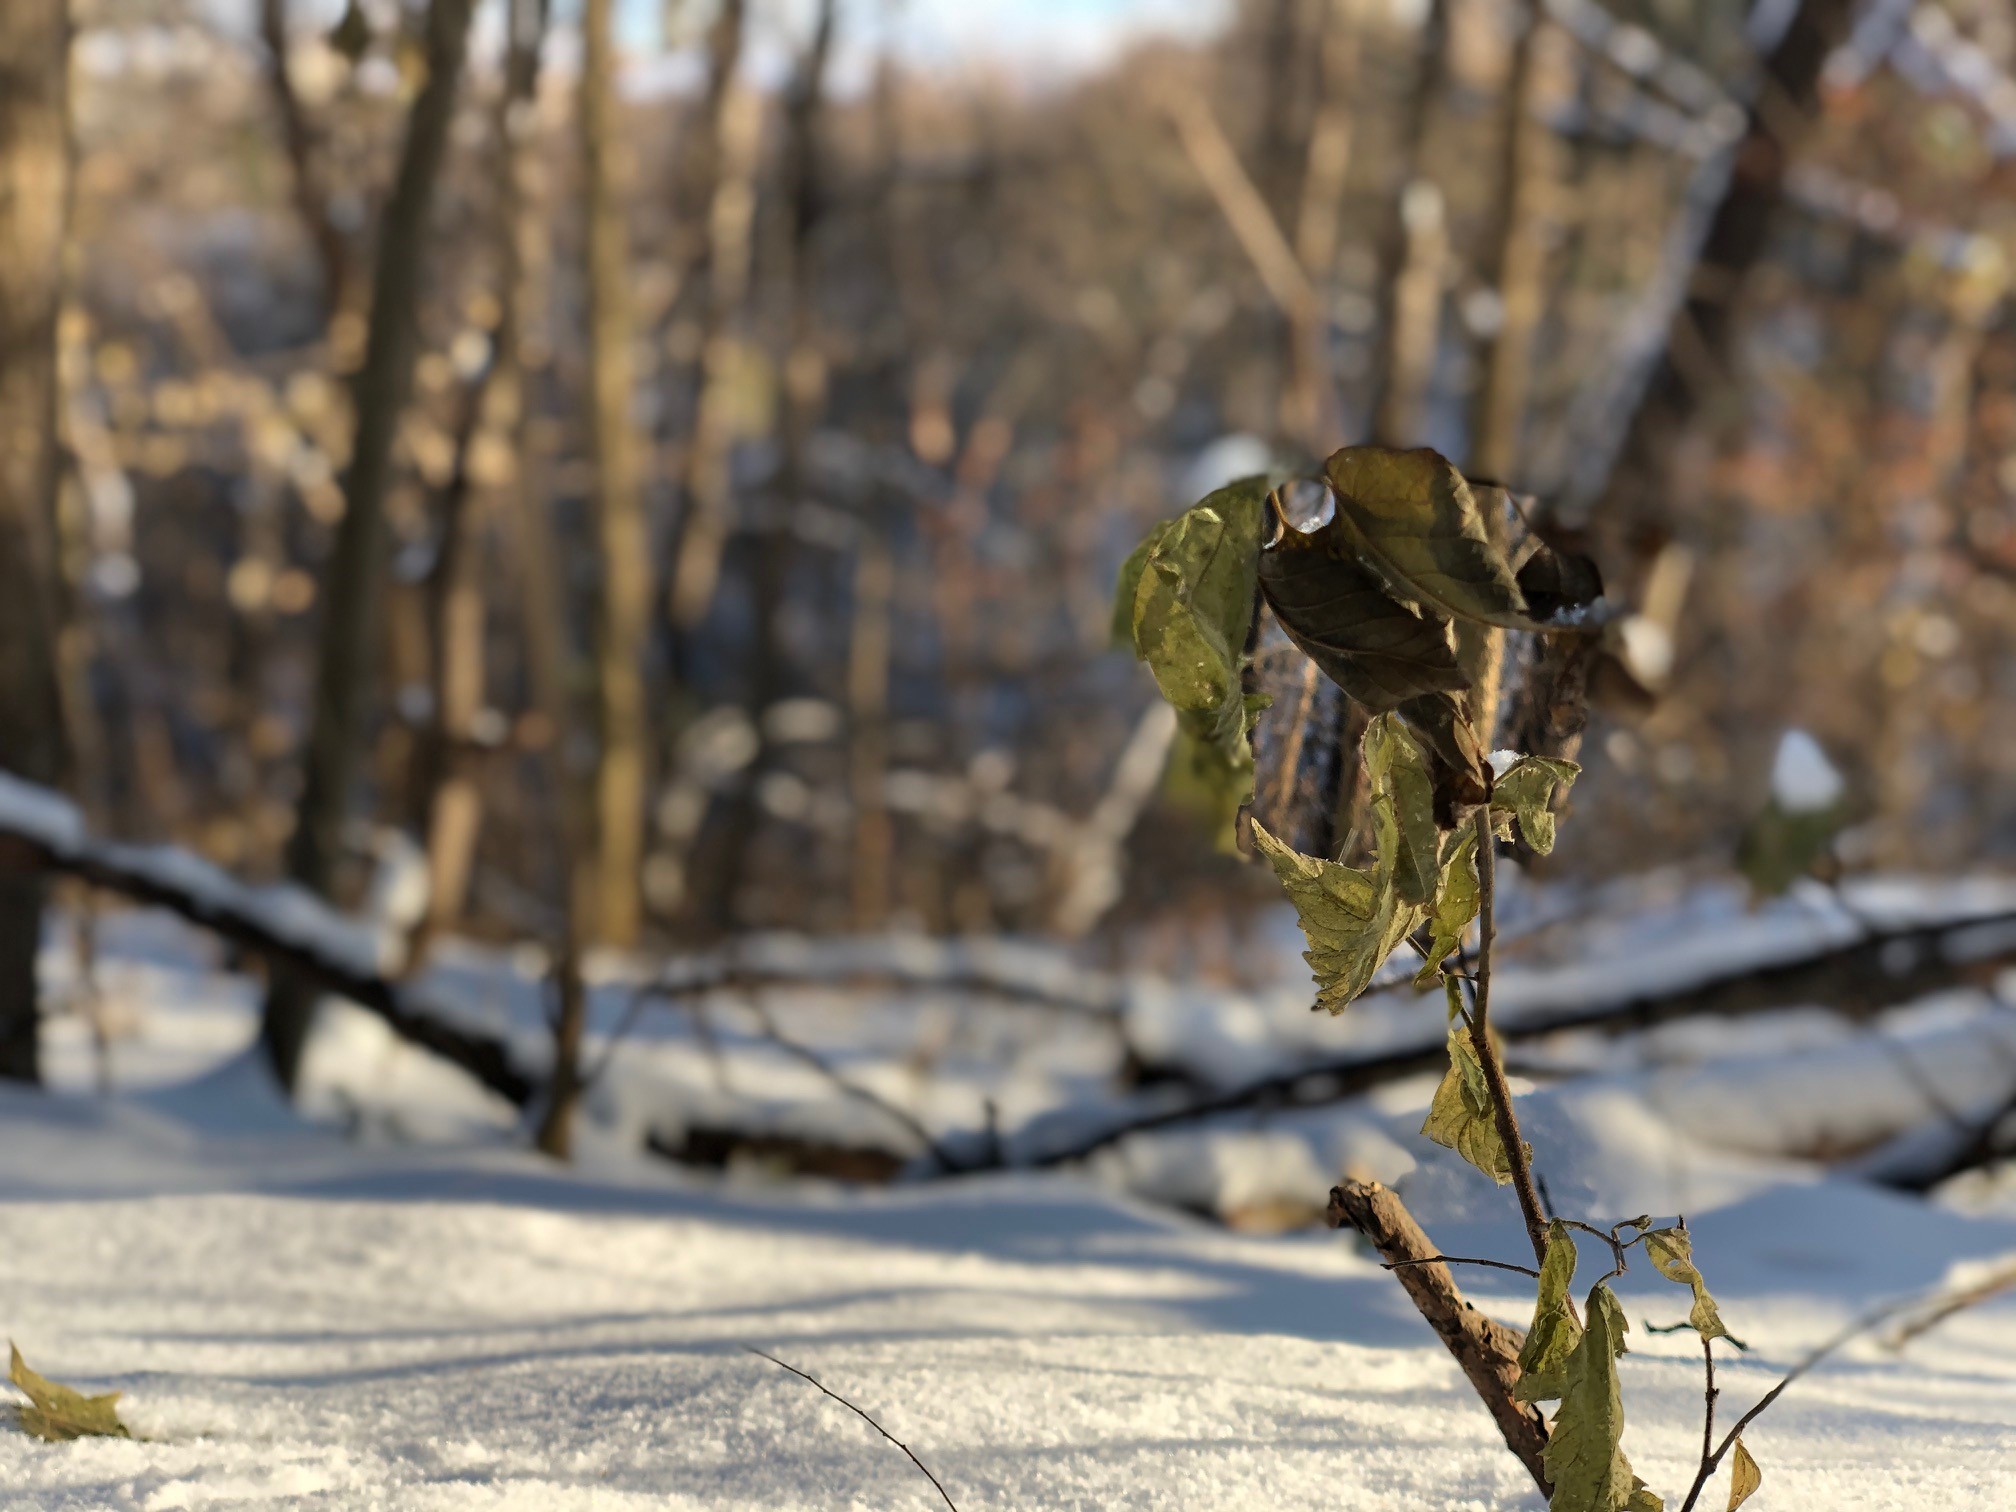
x,y
451,800
34,204
1415,253
868,649
348,643
623,619
704,526
1328,163
804,399
1519,259
311,200
1637,505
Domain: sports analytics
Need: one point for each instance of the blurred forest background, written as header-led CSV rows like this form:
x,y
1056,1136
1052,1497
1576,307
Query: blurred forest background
x,y
612,474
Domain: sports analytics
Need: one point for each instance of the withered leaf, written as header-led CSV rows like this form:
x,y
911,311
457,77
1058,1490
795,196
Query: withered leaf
x,y
58,1413
1412,517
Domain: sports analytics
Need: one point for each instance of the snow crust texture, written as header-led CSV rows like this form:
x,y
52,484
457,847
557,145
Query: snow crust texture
x,y
299,1321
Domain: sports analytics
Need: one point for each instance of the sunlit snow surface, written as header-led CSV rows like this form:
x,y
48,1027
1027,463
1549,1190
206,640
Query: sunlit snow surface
x,y
304,1319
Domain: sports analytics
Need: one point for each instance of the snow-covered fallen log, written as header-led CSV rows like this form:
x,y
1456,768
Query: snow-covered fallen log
x,y
279,923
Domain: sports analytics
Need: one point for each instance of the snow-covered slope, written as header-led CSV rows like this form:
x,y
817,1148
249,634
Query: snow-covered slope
x,y
303,1319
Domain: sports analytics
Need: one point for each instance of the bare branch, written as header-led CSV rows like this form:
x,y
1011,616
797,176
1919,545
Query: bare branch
x,y
1487,1350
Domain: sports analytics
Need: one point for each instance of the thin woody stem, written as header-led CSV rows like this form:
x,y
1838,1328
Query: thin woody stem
x,y
1487,1052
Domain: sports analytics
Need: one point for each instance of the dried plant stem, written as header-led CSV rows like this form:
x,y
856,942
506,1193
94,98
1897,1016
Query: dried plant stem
x,y
1711,1462
1487,1053
858,1412
1708,1398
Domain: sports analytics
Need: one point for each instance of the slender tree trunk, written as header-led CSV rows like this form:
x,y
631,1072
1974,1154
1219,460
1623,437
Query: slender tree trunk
x,y
704,526
34,204
1518,260
623,616
451,800
311,200
868,650
804,399
355,574
1637,505
1413,261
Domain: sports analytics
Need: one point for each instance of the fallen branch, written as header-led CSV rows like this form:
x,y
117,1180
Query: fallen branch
x,y
1487,1350
1877,969
283,925
1912,1164
1987,1289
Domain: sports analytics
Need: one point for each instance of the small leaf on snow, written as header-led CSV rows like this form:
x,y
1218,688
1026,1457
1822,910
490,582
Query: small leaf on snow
x,y
1413,518
1526,789
1744,1478
1672,1254
1584,1456
57,1413
1398,770
1352,919
1457,899
1555,1331
1461,1117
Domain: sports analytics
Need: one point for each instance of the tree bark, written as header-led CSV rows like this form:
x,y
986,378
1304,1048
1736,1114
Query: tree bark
x,y
1637,505
488,453
734,136
1487,1350
347,654
804,399
1412,262
34,203
623,618
1519,260
311,201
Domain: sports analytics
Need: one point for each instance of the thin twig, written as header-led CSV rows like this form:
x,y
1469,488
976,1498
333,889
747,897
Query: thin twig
x,y
1993,1286
1708,1401
1487,1053
924,1469
850,1088
1853,1331
1524,1270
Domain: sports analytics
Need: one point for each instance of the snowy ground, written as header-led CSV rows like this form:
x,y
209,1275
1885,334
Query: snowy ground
x,y
305,1318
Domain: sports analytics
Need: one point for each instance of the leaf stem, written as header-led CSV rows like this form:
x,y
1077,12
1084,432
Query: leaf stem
x,y
1708,1411
1487,1053
1524,1270
1854,1330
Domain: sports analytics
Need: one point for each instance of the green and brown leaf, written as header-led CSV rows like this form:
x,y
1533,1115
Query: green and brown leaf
x,y
1351,918
1185,601
1555,1333
57,1413
1457,900
1378,649
1412,518
1585,1455
1671,1251
1462,1116
1526,790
